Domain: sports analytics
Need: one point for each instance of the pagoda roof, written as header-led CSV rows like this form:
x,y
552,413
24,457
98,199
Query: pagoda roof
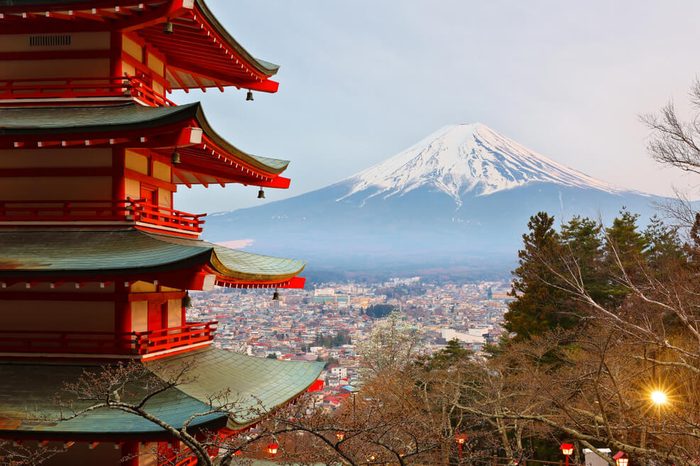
x,y
33,254
112,121
200,52
30,391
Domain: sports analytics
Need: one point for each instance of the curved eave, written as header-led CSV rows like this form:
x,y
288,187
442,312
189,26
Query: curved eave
x,y
245,267
115,121
266,164
263,66
233,266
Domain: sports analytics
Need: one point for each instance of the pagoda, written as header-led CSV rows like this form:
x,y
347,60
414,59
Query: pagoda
x,y
95,261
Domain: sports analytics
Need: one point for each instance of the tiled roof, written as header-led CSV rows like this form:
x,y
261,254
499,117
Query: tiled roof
x,y
64,120
254,381
76,252
28,393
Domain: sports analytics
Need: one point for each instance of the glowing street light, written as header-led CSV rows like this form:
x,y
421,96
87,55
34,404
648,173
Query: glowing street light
x,y
461,439
567,449
621,458
658,397
272,448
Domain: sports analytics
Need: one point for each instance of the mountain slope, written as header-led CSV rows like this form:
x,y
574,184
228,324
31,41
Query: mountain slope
x,y
459,198
467,158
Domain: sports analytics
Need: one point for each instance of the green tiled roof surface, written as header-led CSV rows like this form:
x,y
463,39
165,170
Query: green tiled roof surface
x,y
124,251
31,120
61,120
29,392
253,381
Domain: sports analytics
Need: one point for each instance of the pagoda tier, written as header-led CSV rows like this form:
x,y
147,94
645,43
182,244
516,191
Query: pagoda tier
x,y
130,255
187,41
203,157
97,293
30,390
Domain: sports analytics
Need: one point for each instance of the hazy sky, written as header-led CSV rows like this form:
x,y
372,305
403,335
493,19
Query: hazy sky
x,y
363,79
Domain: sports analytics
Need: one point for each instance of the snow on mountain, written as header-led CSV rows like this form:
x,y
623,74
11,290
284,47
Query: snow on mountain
x,y
465,158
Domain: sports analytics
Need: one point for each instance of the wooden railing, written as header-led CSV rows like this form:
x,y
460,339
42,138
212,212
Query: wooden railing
x,y
102,343
129,210
174,337
82,88
166,217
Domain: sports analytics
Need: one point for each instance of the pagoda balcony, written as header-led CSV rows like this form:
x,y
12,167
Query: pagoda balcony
x,y
96,213
98,90
101,344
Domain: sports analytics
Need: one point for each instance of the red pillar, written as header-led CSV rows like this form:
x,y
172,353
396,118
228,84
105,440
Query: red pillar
x,y
122,321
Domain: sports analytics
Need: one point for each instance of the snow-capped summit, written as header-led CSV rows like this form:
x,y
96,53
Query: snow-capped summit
x,y
465,158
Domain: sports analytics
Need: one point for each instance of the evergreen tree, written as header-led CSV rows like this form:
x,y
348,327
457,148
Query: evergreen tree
x,y
625,254
538,306
663,244
624,242
449,355
582,238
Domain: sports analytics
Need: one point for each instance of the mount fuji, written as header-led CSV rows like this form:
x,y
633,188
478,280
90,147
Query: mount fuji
x,y
457,200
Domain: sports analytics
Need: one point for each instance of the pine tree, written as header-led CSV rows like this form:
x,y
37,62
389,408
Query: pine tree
x,y
624,242
663,244
538,306
583,242
451,354
625,254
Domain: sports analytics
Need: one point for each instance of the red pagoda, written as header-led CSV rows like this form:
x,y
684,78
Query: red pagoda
x,y
95,262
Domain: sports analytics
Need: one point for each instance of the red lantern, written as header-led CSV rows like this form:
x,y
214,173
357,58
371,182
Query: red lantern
x,y
621,458
272,448
567,449
461,439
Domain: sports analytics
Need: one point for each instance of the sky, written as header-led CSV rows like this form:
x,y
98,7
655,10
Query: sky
x,y
361,80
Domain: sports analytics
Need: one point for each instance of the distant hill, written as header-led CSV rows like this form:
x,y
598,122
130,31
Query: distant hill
x,y
456,202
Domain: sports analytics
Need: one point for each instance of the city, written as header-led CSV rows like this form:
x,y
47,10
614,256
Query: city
x,y
325,322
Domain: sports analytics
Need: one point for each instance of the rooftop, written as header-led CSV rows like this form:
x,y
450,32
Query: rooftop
x,y
28,393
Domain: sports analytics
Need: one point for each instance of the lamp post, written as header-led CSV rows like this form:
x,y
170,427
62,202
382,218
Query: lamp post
x,y
272,448
460,439
621,458
567,449
659,400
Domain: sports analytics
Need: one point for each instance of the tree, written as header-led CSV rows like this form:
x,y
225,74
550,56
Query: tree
x,y
538,306
17,454
391,346
583,243
380,311
450,355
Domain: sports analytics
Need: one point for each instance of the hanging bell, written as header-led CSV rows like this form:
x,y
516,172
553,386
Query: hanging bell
x,y
168,27
261,194
176,158
249,96
276,296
